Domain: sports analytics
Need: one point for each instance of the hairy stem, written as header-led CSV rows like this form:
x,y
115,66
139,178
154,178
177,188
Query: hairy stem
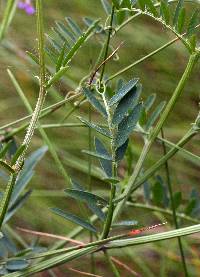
x,y
18,165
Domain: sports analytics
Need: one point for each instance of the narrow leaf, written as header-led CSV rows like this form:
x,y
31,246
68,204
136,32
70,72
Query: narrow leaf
x,y
177,199
99,129
17,264
7,166
141,4
127,103
125,223
127,125
17,154
151,7
193,23
122,92
181,21
74,26
106,6
75,219
85,196
149,101
97,155
120,152
94,101
154,116
177,12
164,11
91,205
17,205
105,164
4,149
33,57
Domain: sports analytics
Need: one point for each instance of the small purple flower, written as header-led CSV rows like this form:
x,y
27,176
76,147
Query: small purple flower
x,y
27,6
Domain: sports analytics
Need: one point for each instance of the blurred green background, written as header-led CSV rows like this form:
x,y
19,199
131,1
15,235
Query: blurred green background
x,y
159,74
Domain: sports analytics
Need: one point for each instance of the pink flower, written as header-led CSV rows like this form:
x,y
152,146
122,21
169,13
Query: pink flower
x,y
27,6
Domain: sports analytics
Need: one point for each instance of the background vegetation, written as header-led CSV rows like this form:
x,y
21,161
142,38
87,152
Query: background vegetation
x,y
159,74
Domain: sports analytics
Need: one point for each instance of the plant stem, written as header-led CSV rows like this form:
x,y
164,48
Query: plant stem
x,y
107,225
177,93
18,165
45,111
107,42
112,265
188,136
169,185
163,211
7,17
142,59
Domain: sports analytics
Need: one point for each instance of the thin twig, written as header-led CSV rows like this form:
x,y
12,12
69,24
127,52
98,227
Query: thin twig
x,y
83,273
41,234
125,266
104,62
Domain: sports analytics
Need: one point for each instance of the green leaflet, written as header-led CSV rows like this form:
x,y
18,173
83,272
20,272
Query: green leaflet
x,y
127,103
93,206
56,77
177,12
154,116
120,152
17,264
98,155
7,166
122,92
164,11
33,57
17,154
74,26
141,4
94,101
8,15
181,21
17,205
75,219
194,20
116,3
27,173
125,223
99,129
127,125
149,101
177,199
68,35
105,164
107,7
151,7
85,196
4,149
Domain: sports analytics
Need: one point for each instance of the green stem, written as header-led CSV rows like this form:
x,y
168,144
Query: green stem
x,y
169,185
6,198
111,206
7,17
111,264
44,111
107,42
120,72
18,165
177,93
162,211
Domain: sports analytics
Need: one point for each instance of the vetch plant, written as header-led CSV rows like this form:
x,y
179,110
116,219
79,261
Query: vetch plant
x,y
119,114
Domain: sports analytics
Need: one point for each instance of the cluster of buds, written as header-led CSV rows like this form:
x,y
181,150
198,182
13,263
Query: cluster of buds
x,y
27,6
